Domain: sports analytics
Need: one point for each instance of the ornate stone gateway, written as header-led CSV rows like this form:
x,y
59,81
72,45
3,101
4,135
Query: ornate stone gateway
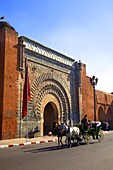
x,y
51,74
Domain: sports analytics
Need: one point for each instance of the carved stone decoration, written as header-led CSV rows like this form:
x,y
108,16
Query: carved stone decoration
x,y
49,84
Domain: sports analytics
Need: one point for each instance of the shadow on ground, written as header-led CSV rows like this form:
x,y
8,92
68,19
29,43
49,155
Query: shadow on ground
x,y
53,148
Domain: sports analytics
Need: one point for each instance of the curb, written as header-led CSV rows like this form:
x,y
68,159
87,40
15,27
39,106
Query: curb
x,y
37,142
27,143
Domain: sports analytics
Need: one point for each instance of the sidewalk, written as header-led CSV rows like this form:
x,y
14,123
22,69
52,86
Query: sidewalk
x,y
37,140
24,141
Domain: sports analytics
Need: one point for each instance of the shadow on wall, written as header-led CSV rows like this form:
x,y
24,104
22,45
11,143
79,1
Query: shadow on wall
x,y
32,132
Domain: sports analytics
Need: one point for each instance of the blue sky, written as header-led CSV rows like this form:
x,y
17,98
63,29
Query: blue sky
x,y
80,29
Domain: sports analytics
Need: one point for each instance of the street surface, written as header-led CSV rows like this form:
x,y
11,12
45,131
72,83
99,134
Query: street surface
x,y
48,156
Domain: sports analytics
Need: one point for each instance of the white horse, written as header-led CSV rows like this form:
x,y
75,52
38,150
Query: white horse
x,y
73,134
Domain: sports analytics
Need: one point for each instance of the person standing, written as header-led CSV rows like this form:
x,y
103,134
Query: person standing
x,y
84,122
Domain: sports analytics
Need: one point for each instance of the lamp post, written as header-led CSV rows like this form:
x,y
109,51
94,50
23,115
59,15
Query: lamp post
x,y
94,82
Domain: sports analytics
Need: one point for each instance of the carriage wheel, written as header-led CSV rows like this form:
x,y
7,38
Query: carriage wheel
x,y
100,136
87,138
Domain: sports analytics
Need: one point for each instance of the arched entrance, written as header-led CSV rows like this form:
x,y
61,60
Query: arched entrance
x,y
101,114
49,95
50,117
110,118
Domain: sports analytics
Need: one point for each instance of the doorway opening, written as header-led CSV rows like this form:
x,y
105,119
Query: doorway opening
x,y
50,117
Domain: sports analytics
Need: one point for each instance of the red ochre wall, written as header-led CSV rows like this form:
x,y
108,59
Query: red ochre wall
x,y
104,101
8,81
105,107
87,94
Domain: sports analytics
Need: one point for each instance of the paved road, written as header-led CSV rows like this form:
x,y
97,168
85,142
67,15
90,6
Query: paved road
x,y
48,156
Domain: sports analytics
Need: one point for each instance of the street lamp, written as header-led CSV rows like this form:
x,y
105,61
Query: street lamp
x,y
94,82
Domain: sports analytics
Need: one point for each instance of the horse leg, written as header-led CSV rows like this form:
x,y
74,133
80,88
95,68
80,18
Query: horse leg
x,y
61,140
58,140
69,140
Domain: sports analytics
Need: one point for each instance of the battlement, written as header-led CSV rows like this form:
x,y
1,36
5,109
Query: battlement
x,y
5,24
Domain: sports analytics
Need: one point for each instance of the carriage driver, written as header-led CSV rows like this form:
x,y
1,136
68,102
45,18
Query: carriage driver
x,y
84,122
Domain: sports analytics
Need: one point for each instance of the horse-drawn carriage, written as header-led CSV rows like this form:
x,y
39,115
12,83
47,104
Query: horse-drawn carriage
x,y
91,130
79,133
